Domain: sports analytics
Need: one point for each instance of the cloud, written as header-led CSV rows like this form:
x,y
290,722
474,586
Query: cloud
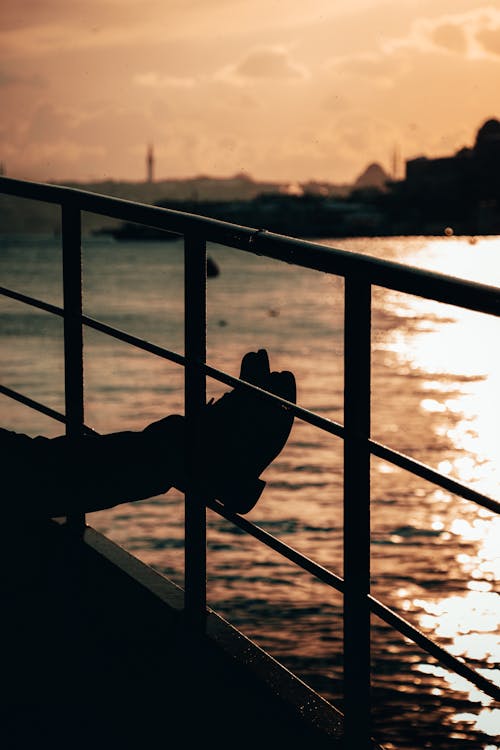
x,y
153,80
380,69
469,36
489,40
450,36
264,64
473,34
261,65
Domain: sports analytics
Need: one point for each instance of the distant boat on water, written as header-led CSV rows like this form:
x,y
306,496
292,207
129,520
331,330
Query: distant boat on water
x,y
130,231
212,268
136,232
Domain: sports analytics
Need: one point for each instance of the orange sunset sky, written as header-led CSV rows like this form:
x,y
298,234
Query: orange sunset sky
x,y
279,89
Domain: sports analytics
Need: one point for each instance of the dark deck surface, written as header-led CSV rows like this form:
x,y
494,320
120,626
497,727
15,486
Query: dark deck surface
x,y
95,655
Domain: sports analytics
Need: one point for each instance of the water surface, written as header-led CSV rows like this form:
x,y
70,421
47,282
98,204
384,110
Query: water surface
x,y
436,379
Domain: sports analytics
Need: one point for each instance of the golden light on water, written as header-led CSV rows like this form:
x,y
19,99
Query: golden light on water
x,y
456,356
457,350
464,380
487,719
455,617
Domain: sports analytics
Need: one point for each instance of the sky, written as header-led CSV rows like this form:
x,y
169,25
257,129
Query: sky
x,y
282,90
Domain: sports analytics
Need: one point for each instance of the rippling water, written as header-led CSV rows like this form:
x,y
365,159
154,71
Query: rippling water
x,y
436,379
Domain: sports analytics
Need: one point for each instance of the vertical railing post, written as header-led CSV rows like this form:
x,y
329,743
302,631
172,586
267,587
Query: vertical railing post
x,y
73,335
195,264
357,356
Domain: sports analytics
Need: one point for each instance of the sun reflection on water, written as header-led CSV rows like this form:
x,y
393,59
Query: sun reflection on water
x,y
456,356
468,624
460,390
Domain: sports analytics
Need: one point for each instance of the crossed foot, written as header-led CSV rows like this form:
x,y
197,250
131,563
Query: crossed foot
x,y
236,438
244,432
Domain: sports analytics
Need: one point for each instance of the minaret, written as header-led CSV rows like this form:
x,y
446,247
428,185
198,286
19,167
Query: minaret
x,y
150,159
395,163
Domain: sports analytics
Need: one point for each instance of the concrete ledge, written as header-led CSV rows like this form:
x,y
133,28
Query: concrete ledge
x,y
252,671
95,653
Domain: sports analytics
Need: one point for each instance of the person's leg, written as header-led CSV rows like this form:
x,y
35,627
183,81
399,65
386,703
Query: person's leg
x,y
236,438
45,478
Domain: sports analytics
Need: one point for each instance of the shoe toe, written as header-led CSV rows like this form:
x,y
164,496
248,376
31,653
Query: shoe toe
x,y
255,367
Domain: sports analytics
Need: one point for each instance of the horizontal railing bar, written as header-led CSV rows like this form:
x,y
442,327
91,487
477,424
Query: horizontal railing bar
x,y
325,424
389,274
32,301
160,351
212,371
443,656
431,285
435,477
381,610
97,325
323,574
36,405
128,338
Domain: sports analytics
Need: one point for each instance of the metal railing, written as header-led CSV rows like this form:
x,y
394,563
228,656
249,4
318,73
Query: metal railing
x,y
361,273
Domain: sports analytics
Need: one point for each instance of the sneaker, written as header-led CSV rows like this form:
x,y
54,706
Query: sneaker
x,y
242,433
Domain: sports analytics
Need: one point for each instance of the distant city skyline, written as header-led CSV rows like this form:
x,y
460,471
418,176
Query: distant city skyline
x,y
280,91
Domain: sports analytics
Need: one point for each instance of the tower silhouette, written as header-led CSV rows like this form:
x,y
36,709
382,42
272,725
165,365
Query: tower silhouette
x,y
396,159
150,159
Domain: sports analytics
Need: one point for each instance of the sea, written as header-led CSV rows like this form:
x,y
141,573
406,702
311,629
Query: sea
x,y
435,396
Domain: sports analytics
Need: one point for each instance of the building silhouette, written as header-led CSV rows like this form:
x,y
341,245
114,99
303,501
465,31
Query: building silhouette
x,y
461,191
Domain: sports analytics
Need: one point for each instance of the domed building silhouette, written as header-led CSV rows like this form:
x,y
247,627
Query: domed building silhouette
x,y
488,135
